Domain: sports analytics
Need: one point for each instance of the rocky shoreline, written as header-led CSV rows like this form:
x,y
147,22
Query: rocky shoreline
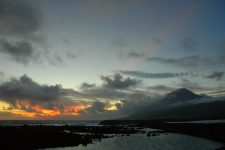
x,y
38,137
213,131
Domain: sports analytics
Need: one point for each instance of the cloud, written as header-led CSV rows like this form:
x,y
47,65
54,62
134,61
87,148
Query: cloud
x,y
20,22
141,74
161,88
2,74
86,86
103,92
188,61
19,17
216,75
98,111
217,92
118,82
25,98
134,103
185,83
25,88
53,58
134,54
28,98
96,107
189,43
20,51
71,55
193,86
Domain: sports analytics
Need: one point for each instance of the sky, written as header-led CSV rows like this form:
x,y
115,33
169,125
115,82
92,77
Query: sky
x,y
100,59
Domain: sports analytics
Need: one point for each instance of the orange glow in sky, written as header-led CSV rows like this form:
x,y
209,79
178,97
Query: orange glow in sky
x,y
111,107
25,109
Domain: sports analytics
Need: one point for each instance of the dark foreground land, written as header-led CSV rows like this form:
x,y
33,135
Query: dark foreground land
x,y
37,137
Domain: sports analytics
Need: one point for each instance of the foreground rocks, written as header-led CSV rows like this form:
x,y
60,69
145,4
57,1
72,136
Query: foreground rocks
x,y
37,137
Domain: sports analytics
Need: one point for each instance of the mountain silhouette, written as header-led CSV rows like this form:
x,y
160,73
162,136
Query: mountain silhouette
x,y
180,95
181,104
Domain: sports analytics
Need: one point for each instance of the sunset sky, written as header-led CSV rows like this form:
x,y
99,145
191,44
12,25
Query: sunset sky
x,y
99,59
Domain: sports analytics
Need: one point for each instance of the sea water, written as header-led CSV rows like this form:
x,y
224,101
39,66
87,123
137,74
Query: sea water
x,y
169,141
49,122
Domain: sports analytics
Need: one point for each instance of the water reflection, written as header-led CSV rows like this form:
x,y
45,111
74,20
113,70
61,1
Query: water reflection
x,y
142,142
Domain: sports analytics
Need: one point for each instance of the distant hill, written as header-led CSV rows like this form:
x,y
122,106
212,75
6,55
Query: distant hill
x,y
179,105
180,95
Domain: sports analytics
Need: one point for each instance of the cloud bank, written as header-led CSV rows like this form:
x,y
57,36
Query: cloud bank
x,y
216,75
163,75
118,82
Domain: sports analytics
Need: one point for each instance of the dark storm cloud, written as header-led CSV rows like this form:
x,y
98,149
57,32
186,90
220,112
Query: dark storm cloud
x,y
189,43
20,25
141,74
134,103
20,51
216,75
25,88
86,86
117,81
20,20
19,17
188,61
96,107
98,111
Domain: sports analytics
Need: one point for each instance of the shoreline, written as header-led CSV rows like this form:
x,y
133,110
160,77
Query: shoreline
x,y
39,137
211,131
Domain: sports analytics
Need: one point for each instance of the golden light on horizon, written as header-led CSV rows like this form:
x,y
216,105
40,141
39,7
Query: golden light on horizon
x,y
4,105
22,113
111,107
45,112
25,109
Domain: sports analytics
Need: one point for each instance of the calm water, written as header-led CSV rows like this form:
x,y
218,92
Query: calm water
x,y
142,142
48,122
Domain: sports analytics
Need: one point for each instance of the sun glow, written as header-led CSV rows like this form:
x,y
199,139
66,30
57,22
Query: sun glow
x,y
111,107
26,109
